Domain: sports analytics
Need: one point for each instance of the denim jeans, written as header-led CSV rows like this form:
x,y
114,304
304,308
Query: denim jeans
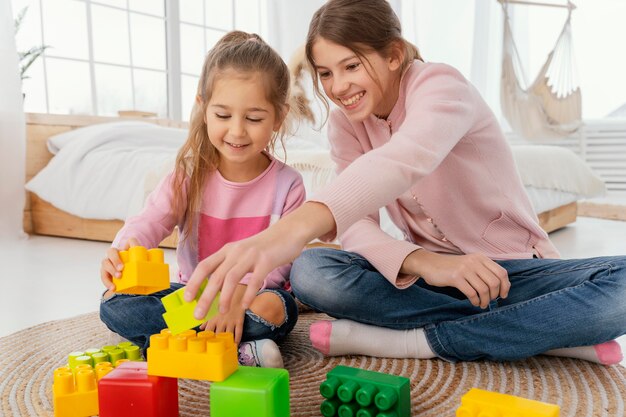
x,y
137,317
552,303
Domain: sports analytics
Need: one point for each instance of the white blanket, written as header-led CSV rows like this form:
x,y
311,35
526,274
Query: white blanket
x,y
105,171
98,172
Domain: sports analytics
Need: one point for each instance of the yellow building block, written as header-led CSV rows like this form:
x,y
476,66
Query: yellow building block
x,y
75,396
145,271
203,356
481,403
179,314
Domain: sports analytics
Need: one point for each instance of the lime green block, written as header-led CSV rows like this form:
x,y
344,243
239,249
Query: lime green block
x,y
179,314
357,392
259,392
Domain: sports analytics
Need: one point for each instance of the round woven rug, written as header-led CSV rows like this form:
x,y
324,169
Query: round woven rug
x,y
582,389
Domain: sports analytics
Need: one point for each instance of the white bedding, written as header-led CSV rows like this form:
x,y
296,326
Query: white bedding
x,y
105,171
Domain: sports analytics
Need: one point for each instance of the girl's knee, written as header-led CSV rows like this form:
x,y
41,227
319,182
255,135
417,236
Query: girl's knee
x,y
269,306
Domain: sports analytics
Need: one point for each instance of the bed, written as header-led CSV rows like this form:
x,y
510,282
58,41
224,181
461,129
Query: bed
x,y
90,202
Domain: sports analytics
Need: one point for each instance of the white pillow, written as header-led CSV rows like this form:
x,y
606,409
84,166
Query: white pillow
x,y
556,168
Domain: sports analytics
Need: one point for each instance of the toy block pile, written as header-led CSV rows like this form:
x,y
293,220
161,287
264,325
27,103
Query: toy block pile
x,y
75,386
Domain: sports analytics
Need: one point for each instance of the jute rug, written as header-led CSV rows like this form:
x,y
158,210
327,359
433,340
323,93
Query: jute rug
x,y
27,359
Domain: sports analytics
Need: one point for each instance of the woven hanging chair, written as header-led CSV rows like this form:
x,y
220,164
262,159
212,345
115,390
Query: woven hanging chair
x,y
550,108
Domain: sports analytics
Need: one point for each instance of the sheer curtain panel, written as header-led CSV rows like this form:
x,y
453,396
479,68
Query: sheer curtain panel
x,y
12,131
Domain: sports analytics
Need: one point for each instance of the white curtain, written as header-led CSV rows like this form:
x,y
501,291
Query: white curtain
x,y
288,24
470,39
12,131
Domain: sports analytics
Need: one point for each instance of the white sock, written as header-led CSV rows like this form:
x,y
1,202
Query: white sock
x,y
608,353
347,337
262,353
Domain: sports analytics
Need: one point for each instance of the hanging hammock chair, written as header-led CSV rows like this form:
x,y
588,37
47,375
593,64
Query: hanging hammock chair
x,y
550,108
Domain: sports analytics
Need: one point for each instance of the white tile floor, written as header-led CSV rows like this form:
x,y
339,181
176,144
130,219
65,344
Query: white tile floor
x,y
48,278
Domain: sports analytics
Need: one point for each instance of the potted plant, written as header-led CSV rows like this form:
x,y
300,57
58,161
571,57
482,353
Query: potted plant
x,y
27,57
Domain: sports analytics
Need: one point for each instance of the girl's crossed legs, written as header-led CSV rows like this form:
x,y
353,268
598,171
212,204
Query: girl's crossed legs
x,y
137,317
552,304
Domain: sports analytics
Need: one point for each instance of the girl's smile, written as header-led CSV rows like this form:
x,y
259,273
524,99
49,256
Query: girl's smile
x,y
240,124
360,86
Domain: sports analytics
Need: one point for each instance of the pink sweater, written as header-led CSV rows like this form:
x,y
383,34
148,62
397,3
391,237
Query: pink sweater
x,y
229,211
440,157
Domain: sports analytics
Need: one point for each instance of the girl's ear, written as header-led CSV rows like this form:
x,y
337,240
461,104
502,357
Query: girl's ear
x,y
280,118
396,56
198,105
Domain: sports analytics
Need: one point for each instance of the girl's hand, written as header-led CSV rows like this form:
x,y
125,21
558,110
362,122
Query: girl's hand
x,y
277,245
475,275
232,321
112,266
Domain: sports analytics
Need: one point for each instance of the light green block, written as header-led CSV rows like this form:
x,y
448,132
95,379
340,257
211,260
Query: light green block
x,y
179,314
250,391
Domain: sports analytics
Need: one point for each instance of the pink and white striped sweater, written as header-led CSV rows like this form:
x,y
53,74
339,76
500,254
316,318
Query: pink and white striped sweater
x,y
230,211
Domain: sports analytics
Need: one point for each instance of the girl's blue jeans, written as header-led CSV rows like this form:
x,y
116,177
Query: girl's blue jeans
x,y
137,317
552,303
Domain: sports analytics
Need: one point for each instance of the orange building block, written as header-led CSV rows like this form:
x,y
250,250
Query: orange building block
x,y
75,396
204,356
478,402
145,271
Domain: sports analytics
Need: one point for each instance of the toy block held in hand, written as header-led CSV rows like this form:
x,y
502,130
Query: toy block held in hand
x,y
179,314
478,402
204,356
75,396
145,271
259,392
349,391
128,391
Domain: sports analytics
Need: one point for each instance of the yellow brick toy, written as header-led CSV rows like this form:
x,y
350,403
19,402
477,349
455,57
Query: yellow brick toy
x,y
478,402
203,356
144,271
75,396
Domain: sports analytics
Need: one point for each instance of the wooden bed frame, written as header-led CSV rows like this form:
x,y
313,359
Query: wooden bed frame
x,y
42,218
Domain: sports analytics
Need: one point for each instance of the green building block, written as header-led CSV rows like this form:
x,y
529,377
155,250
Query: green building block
x,y
250,391
93,356
179,314
353,392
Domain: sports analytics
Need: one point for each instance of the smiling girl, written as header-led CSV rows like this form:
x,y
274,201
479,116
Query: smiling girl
x,y
475,277
225,186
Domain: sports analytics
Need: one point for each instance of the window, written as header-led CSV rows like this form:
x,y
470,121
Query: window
x,y
111,55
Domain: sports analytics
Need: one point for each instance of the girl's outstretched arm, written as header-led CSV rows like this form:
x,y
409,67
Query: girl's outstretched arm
x,y
277,245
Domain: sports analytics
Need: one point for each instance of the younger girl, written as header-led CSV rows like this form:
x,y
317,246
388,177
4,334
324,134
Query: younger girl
x,y
476,277
225,187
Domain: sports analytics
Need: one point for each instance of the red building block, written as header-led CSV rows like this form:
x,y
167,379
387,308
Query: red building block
x,y
128,391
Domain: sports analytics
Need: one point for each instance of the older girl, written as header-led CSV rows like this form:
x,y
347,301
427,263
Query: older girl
x,y
476,277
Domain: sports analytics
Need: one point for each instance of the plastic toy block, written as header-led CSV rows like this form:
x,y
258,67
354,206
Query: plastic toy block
x,y
357,392
179,314
112,354
144,271
75,396
128,391
481,403
204,356
259,392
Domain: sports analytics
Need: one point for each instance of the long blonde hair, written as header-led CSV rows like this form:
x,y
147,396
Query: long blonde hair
x,y
361,26
242,52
